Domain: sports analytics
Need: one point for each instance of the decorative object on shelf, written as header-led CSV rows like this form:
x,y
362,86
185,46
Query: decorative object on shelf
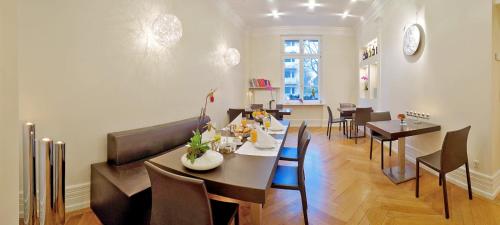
x,y
167,30
402,118
365,80
232,57
370,50
411,41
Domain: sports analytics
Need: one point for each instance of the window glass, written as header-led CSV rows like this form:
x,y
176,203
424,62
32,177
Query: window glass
x,y
292,78
311,47
292,46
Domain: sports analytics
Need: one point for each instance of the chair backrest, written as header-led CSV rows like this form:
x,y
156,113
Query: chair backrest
x,y
380,116
279,106
302,128
330,115
257,106
233,113
177,199
304,143
454,150
347,105
362,115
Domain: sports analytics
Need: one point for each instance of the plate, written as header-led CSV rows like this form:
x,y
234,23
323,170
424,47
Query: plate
x,y
263,147
209,160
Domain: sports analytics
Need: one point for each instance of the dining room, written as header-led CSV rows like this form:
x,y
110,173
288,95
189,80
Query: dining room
x,y
261,112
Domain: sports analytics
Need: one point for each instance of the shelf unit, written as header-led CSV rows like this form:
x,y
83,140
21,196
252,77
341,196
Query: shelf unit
x,y
370,70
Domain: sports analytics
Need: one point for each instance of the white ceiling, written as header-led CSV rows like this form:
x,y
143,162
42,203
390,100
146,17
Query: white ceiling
x,y
255,13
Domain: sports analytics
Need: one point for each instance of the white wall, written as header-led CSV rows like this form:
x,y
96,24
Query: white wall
x,y
451,76
9,173
337,67
496,82
84,70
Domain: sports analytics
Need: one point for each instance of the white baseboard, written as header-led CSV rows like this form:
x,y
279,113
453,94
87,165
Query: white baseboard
x,y
482,184
77,197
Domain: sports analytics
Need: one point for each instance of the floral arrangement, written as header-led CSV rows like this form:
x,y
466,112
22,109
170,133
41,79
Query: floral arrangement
x,y
365,79
259,115
401,117
196,148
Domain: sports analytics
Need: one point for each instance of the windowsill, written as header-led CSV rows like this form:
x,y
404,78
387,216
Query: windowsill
x,y
312,103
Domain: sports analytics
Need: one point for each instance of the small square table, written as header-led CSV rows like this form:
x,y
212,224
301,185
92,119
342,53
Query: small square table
x,y
392,129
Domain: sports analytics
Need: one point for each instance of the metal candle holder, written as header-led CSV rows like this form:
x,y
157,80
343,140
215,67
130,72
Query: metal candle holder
x,y
44,179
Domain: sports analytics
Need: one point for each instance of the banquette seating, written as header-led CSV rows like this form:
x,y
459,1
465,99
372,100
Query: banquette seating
x,y
120,187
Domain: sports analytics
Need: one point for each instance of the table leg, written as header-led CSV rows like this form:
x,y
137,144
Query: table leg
x,y
256,213
402,172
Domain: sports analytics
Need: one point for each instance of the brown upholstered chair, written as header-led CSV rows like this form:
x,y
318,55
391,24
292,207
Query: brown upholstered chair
x,y
346,115
380,116
183,200
257,106
341,121
233,113
292,153
360,118
452,156
292,177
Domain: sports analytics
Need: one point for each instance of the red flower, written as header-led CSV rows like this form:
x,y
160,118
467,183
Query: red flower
x,y
212,98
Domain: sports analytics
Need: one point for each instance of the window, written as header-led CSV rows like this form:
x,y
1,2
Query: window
x,y
301,69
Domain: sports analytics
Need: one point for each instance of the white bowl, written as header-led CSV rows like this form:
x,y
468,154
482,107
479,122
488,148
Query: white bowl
x,y
209,160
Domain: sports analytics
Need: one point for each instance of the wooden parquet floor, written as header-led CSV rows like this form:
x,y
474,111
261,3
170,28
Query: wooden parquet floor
x,y
345,188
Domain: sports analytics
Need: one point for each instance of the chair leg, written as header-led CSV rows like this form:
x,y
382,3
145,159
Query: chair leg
x,y
356,135
382,155
304,204
440,179
417,178
329,131
237,217
445,197
327,128
390,148
371,147
469,186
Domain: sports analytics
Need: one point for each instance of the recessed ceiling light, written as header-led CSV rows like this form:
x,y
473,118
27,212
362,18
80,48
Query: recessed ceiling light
x,y
353,0
276,14
345,14
311,4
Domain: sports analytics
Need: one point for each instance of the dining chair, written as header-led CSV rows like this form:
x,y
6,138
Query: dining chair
x,y
279,106
292,177
292,153
341,121
360,118
380,116
452,155
233,113
256,106
183,200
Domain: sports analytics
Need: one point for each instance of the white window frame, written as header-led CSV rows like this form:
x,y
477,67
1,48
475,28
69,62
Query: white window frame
x,y
301,56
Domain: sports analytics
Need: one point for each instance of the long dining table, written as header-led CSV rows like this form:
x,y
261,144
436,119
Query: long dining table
x,y
243,177
393,129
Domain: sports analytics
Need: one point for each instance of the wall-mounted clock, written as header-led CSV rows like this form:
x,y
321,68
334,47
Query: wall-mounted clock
x,y
411,41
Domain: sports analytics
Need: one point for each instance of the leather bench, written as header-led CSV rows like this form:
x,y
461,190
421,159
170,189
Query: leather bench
x,y
120,188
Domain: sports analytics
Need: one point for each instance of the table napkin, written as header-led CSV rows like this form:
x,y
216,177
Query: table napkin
x,y
237,120
276,124
208,135
264,140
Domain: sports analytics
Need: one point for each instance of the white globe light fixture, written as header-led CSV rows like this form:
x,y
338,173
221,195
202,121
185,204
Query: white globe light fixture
x,y
232,57
167,30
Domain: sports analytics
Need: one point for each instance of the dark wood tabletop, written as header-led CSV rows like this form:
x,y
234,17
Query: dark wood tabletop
x,y
393,129
350,109
242,177
284,111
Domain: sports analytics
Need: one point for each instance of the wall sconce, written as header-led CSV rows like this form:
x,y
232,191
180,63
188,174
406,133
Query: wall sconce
x,y
232,57
167,30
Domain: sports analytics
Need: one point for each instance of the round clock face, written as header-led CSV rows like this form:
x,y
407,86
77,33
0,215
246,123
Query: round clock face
x,y
411,40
